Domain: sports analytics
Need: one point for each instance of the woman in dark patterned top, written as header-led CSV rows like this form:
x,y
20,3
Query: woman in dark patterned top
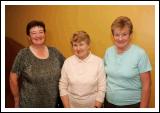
x,y
39,67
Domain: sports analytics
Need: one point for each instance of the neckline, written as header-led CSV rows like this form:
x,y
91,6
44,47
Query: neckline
x,y
85,59
120,54
38,57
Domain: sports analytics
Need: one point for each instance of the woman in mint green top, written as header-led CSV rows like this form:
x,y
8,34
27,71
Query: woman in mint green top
x,y
128,69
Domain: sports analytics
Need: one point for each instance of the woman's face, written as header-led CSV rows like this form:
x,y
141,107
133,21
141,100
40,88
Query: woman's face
x,y
121,37
37,35
81,49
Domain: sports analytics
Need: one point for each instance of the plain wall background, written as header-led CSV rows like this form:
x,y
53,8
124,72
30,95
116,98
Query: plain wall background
x,y
62,21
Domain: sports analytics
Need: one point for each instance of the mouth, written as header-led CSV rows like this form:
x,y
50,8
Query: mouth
x,y
120,42
37,39
78,52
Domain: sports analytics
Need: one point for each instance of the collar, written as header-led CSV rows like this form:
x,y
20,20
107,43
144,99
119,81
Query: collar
x,y
87,59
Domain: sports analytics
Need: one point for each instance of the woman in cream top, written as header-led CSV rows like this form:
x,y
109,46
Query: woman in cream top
x,y
83,80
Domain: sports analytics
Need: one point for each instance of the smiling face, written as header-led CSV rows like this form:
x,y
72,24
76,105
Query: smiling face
x,y
37,35
81,44
81,49
121,38
122,29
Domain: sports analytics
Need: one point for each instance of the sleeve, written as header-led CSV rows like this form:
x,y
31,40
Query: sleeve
x,y
144,63
101,83
63,83
60,57
105,60
17,64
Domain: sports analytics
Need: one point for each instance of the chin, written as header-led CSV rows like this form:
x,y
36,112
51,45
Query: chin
x,y
79,56
38,44
120,46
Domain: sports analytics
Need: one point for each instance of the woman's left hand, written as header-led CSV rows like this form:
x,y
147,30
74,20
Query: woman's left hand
x,y
98,104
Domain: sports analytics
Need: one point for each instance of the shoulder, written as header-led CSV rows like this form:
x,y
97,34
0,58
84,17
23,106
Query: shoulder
x,y
138,50
55,53
70,59
22,55
96,58
96,61
54,50
110,49
23,51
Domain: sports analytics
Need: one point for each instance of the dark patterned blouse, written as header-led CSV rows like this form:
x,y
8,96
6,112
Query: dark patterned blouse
x,y
40,77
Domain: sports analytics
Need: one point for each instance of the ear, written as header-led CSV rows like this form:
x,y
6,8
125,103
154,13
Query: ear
x,y
89,47
28,37
131,35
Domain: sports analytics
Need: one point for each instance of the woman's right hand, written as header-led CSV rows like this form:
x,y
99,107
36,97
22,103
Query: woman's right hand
x,y
16,104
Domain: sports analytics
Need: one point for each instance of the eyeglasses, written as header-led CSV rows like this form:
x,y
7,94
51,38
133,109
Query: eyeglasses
x,y
121,35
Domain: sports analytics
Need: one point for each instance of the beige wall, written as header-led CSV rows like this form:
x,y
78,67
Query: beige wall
x,y
62,21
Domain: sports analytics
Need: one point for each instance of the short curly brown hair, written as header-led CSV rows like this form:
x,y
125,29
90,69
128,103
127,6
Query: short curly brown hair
x,y
80,36
122,22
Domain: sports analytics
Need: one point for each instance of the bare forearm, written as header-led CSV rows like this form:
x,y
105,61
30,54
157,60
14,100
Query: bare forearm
x,y
145,98
14,88
146,89
65,100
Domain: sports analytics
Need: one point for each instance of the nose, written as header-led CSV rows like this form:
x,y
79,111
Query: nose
x,y
78,48
120,37
38,35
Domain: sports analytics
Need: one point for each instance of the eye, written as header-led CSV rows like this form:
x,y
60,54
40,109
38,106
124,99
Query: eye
x,y
41,31
125,34
81,44
74,45
33,33
116,35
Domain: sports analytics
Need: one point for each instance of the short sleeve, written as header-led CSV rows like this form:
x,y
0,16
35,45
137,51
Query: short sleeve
x,y
144,63
17,64
60,56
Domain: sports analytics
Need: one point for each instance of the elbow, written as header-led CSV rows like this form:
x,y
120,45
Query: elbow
x,y
13,79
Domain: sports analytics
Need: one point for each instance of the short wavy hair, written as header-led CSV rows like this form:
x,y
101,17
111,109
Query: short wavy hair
x,y
122,22
34,23
80,36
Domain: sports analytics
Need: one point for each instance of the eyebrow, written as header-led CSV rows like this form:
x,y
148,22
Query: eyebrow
x,y
38,30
